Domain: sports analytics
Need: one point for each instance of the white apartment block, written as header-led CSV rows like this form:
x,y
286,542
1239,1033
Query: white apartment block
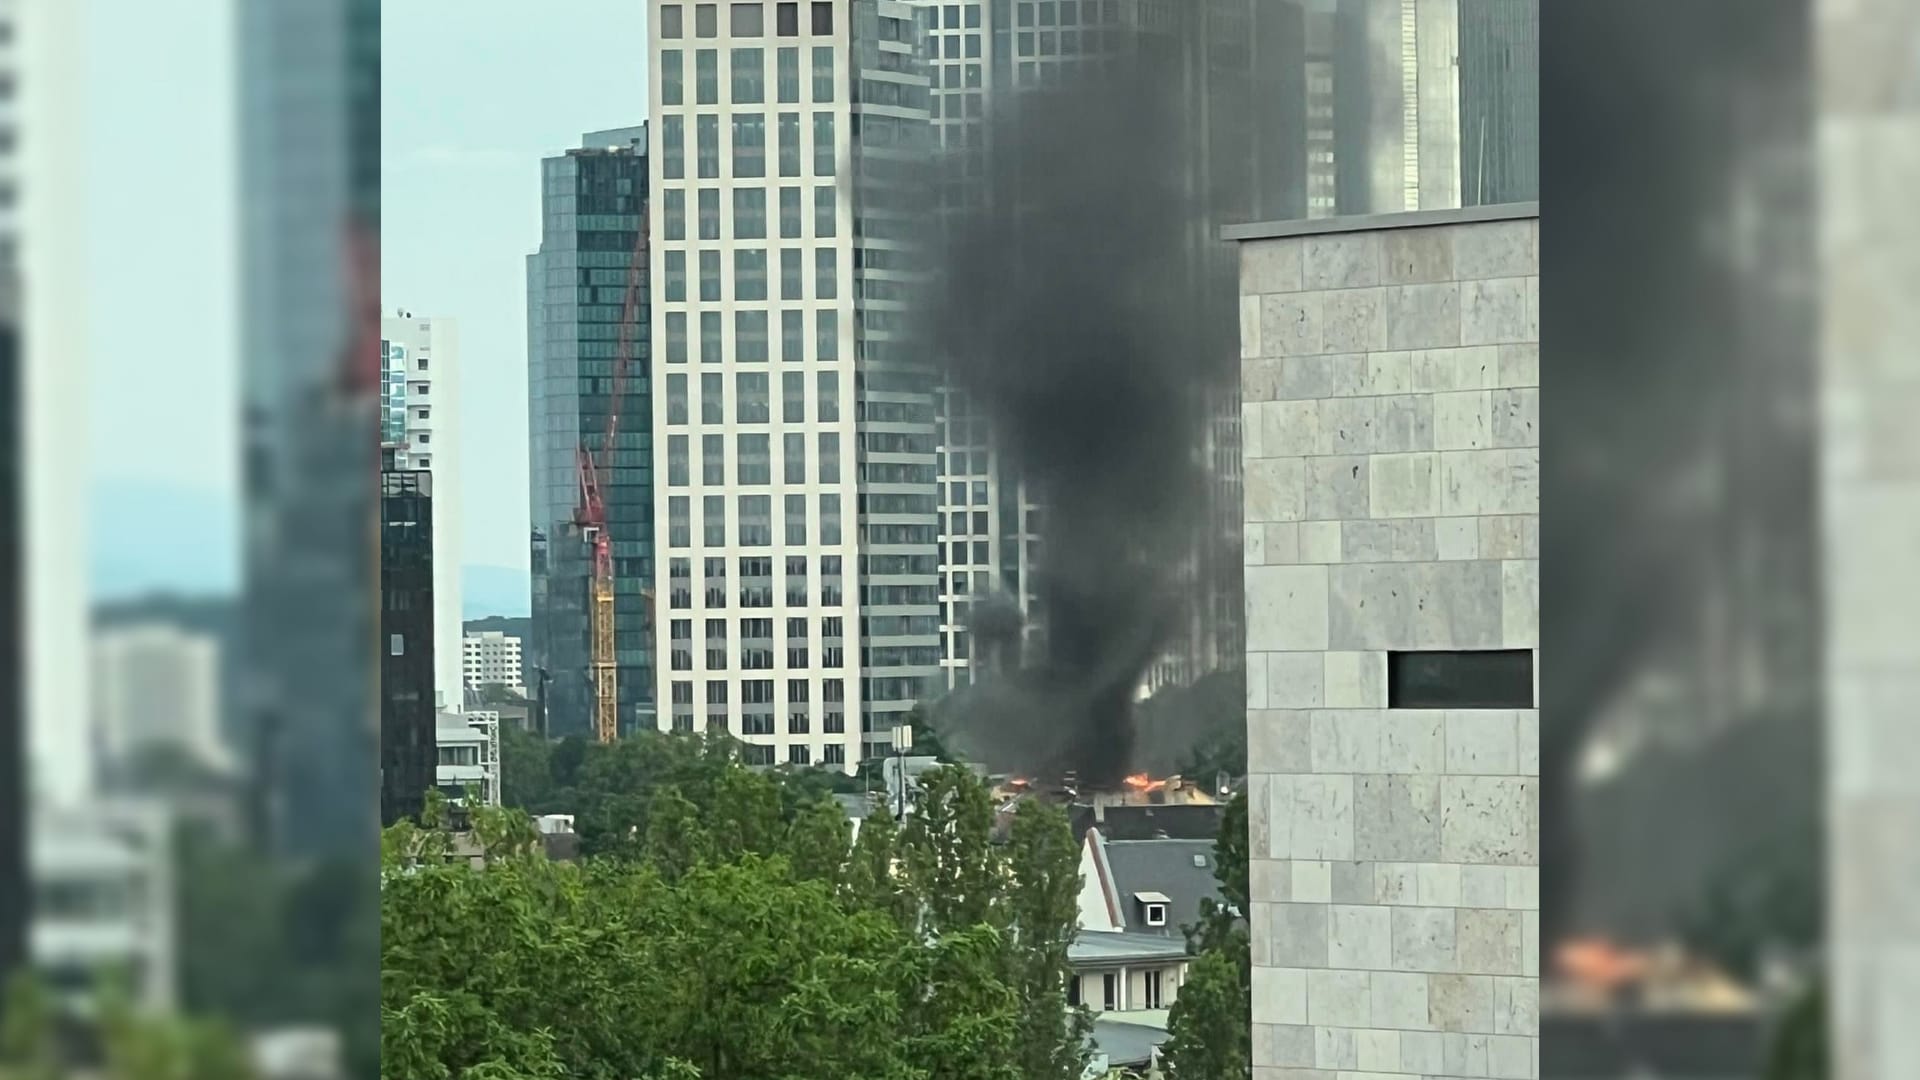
x,y
468,754
420,428
490,657
158,684
793,434
103,885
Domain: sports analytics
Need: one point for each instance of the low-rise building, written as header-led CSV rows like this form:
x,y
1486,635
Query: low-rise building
x,y
1150,887
468,755
491,658
102,876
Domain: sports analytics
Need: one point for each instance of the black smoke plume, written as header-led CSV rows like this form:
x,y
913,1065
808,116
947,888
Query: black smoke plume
x,y
1067,304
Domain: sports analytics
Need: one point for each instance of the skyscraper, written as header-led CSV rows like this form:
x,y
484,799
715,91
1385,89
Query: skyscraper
x,y
806,517
1499,101
408,645
1396,105
592,198
420,405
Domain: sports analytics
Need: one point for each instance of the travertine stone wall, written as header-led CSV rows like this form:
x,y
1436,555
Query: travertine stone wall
x,y
1390,387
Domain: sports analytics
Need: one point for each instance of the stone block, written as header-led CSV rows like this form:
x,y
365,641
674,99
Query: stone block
x,y
1290,324
1270,266
1510,536
1495,249
1483,886
1351,321
1269,880
1400,1000
1437,605
1494,312
1369,541
1527,736
1336,488
1390,372
1476,367
1416,256
1403,485
1482,743
1341,261
1290,428
1516,417
1259,815
1532,331
1328,376
1456,538
1320,541
1437,884
1286,608
1294,680
1423,939
1249,327
1346,741
1422,316
1410,741
1352,882
1313,881
1288,1045
1420,1053
1477,482
1489,820
1312,818
1253,546
1520,603
1488,941
1523,887
1379,1050
1516,1006
1279,995
1278,740
1281,545
1260,379
1530,942
1359,936
1394,883
1258,938
1464,1053
1275,489
1256,681
1356,680
1298,935
1520,364
1346,426
1462,420
1403,423
1510,1057
1460,1003
1396,818
1251,444
1338,999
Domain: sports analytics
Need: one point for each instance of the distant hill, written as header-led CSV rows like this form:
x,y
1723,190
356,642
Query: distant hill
x,y
518,626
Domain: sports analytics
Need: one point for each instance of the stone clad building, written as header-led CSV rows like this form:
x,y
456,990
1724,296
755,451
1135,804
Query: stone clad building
x,y
1390,396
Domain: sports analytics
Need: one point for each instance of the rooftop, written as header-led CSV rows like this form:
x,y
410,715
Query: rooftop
x,y
1097,947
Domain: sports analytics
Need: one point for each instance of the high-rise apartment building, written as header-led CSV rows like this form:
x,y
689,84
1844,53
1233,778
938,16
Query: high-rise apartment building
x,y
796,433
491,658
420,429
592,197
407,642
157,685
1499,101
1396,105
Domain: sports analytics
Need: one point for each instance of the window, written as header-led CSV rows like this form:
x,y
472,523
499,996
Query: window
x,y
789,136
750,398
1073,978
826,266
717,657
749,75
823,74
822,17
793,398
826,345
713,460
747,20
676,399
706,137
716,582
753,754
1110,991
756,521
825,212
786,19
792,283
670,24
713,405
793,336
680,583
823,148
787,76
796,507
706,20
706,77
750,337
834,754
677,455
829,457
672,77
829,524
797,597
1488,679
710,276
1156,914
799,755
673,213
708,200
750,274
789,213
710,338
1153,990
713,515
673,148
829,395
750,145
679,531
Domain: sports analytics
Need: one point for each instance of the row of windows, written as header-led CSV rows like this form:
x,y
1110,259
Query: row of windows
x,y
749,213
751,402
748,74
753,524
753,462
750,344
749,145
759,692
756,578
1065,12
750,275
745,19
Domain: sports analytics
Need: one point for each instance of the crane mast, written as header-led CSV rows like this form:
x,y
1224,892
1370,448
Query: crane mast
x,y
591,515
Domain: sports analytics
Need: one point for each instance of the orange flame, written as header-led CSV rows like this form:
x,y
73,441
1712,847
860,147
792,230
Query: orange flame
x,y
1601,964
1143,782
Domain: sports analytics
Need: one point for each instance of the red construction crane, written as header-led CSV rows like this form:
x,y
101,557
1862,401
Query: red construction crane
x,y
590,516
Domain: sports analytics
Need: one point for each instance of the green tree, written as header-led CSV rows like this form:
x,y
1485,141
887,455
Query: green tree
x,y
950,862
526,770
817,842
1043,915
1799,1049
1207,1033
677,840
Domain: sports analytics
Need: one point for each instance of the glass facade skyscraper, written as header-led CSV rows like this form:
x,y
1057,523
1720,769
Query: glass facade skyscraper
x,y
592,199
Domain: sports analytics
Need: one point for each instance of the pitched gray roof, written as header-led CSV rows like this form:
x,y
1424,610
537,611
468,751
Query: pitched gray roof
x,y
1126,1044
1094,948
1181,869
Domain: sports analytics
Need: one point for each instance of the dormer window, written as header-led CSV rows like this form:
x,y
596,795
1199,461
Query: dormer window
x,y
1153,907
1156,914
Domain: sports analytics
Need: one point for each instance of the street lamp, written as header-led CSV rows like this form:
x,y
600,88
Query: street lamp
x,y
902,736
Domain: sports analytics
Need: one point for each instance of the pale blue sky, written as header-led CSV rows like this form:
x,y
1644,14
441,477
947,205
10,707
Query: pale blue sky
x,y
475,93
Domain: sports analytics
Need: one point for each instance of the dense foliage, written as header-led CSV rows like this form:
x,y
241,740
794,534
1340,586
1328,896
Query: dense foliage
x,y
726,923
1210,1026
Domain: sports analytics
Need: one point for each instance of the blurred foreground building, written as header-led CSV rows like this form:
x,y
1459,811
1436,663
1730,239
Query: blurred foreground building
x,y
104,899
157,686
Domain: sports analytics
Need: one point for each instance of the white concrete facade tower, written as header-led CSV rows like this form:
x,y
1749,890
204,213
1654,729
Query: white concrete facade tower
x,y
420,425
493,658
158,684
1391,405
793,446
